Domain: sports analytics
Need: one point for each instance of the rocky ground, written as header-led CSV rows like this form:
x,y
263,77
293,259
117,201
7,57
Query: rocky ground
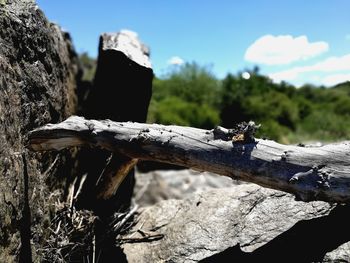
x,y
187,216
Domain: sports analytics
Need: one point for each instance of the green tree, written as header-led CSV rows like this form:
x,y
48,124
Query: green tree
x,y
191,83
88,65
174,110
188,95
249,98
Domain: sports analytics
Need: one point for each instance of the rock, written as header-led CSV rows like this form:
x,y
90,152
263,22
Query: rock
x,y
123,81
243,223
127,42
153,187
38,71
341,254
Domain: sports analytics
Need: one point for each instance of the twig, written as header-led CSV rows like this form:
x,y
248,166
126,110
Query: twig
x,y
121,223
81,183
145,238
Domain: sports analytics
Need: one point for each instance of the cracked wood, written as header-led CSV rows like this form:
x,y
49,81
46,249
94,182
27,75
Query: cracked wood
x,y
310,173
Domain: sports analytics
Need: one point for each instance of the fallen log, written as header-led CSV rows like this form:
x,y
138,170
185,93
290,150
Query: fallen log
x,y
310,173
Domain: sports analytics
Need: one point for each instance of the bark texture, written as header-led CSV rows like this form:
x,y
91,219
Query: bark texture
x,y
317,173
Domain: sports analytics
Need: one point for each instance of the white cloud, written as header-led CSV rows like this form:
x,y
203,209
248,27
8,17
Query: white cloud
x,y
333,66
283,49
176,61
286,75
334,79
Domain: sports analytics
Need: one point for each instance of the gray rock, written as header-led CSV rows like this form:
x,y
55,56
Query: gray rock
x,y
123,82
159,185
38,72
243,223
341,254
128,43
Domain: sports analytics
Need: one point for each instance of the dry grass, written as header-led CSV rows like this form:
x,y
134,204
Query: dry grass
x,y
75,237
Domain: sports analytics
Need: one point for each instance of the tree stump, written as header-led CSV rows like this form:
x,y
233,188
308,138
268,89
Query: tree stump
x,y
121,91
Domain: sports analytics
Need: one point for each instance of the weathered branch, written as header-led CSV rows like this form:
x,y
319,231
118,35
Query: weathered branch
x,y
113,175
311,173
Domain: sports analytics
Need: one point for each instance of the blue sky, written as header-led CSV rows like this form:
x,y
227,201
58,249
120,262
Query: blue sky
x,y
299,41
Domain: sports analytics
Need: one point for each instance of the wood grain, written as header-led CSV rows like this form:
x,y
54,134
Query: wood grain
x,y
311,173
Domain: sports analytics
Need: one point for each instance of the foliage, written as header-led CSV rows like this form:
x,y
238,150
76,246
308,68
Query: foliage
x,y
188,96
88,65
173,110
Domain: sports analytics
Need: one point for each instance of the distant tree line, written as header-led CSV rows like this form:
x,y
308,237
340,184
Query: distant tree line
x,y
191,95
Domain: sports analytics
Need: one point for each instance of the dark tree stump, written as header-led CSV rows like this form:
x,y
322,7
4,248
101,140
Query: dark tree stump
x,y
121,92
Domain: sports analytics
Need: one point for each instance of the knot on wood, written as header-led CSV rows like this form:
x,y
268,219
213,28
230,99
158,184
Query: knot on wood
x,y
91,127
324,179
143,136
242,132
284,156
315,175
